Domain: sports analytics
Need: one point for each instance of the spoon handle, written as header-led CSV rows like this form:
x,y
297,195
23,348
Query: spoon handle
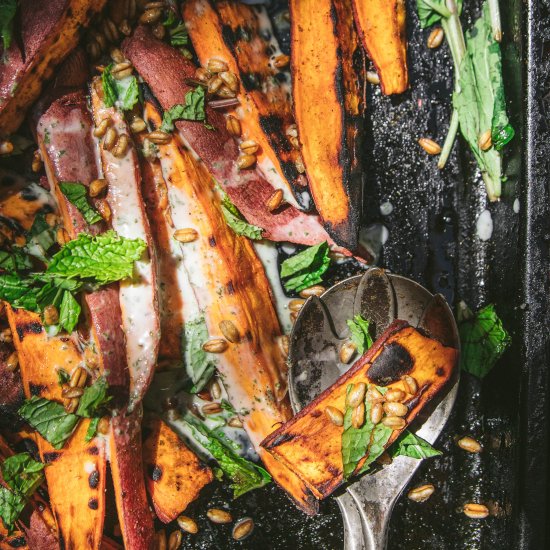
x,y
353,524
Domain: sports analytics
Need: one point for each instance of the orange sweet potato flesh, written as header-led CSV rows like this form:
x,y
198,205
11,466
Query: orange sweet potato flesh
x,y
328,98
174,475
45,33
310,443
381,26
75,474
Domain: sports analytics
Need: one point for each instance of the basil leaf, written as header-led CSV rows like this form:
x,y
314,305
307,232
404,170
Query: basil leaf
x,y
200,367
360,335
237,223
104,258
8,9
92,429
69,312
77,194
22,473
243,474
305,268
125,91
412,445
483,340
11,506
192,110
49,419
94,399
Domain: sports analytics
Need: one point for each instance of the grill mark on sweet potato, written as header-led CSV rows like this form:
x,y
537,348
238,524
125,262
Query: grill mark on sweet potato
x,y
93,479
29,328
51,456
36,389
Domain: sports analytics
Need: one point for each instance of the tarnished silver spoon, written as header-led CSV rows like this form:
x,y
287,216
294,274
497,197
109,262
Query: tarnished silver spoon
x,y
318,333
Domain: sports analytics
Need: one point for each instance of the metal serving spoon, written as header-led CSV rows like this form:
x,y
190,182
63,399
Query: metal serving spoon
x,y
318,333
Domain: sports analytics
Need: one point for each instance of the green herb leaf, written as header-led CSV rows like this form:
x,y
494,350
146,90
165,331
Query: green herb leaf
x,y
22,473
125,91
11,506
19,292
179,35
49,419
77,194
8,9
16,260
40,238
360,335
483,340
192,110
104,258
431,11
62,376
305,268
69,312
92,429
235,221
243,474
200,367
410,444
94,399
108,82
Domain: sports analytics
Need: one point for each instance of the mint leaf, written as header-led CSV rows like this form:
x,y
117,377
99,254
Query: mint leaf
x,y
179,35
410,444
200,367
8,9
243,474
305,268
69,312
432,11
19,292
11,506
15,260
104,258
483,340
94,399
360,335
237,223
22,473
77,194
125,91
108,83
62,376
40,238
49,419
192,110
92,429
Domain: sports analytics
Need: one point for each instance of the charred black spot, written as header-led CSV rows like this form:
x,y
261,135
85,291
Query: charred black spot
x,y
93,479
28,194
69,12
93,504
36,389
62,544
155,472
212,240
440,371
229,37
243,33
29,328
281,77
17,542
251,81
93,451
247,336
393,362
230,288
316,414
51,457
279,440
64,339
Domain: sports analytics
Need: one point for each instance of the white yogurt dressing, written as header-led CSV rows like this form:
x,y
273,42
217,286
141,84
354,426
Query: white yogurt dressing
x,y
484,225
516,206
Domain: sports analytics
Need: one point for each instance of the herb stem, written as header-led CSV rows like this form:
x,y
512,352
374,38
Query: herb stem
x,y
494,10
449,140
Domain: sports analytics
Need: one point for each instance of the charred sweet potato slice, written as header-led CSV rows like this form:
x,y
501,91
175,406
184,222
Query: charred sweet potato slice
x,y
46,33
174,474
328,98
75,474
311,445
381,26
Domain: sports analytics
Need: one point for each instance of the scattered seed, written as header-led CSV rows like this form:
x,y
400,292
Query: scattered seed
x,y
249,147
394,422
93,50
485,141
6,336
476,511
37,164
175,539
296,304
299,164
216,66
51,315
216,345
230,80
72,393
246,161
71,405
160,537
13,362
159,30
395,409
186,235
101,128
217,515
6,147
436,38
243,528
376,413
430,146
410,383
230,331
356,395
347,351
373,78
235,422
137,125
292,130
315,290
125,27
78,378
116,55
121,146
103,425
51,219
294,142
422,493
110,30
110,139
233,125
149,17
122,70
469,444
281,61
158,137
215,389
293,316
211,408
188,524
97,187
275,200
226,93
395,395
358,416
101,39
203,75
385,459
284,344
214,84
61,236
335,416
104,209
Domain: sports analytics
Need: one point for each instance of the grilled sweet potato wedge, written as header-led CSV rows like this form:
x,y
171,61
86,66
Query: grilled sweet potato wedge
x,y
218,32
310,443
174,474
381,26
230,285
328,92
47,31
156,62
75,474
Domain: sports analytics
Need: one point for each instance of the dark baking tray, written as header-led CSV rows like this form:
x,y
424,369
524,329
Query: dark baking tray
x,y
432,238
